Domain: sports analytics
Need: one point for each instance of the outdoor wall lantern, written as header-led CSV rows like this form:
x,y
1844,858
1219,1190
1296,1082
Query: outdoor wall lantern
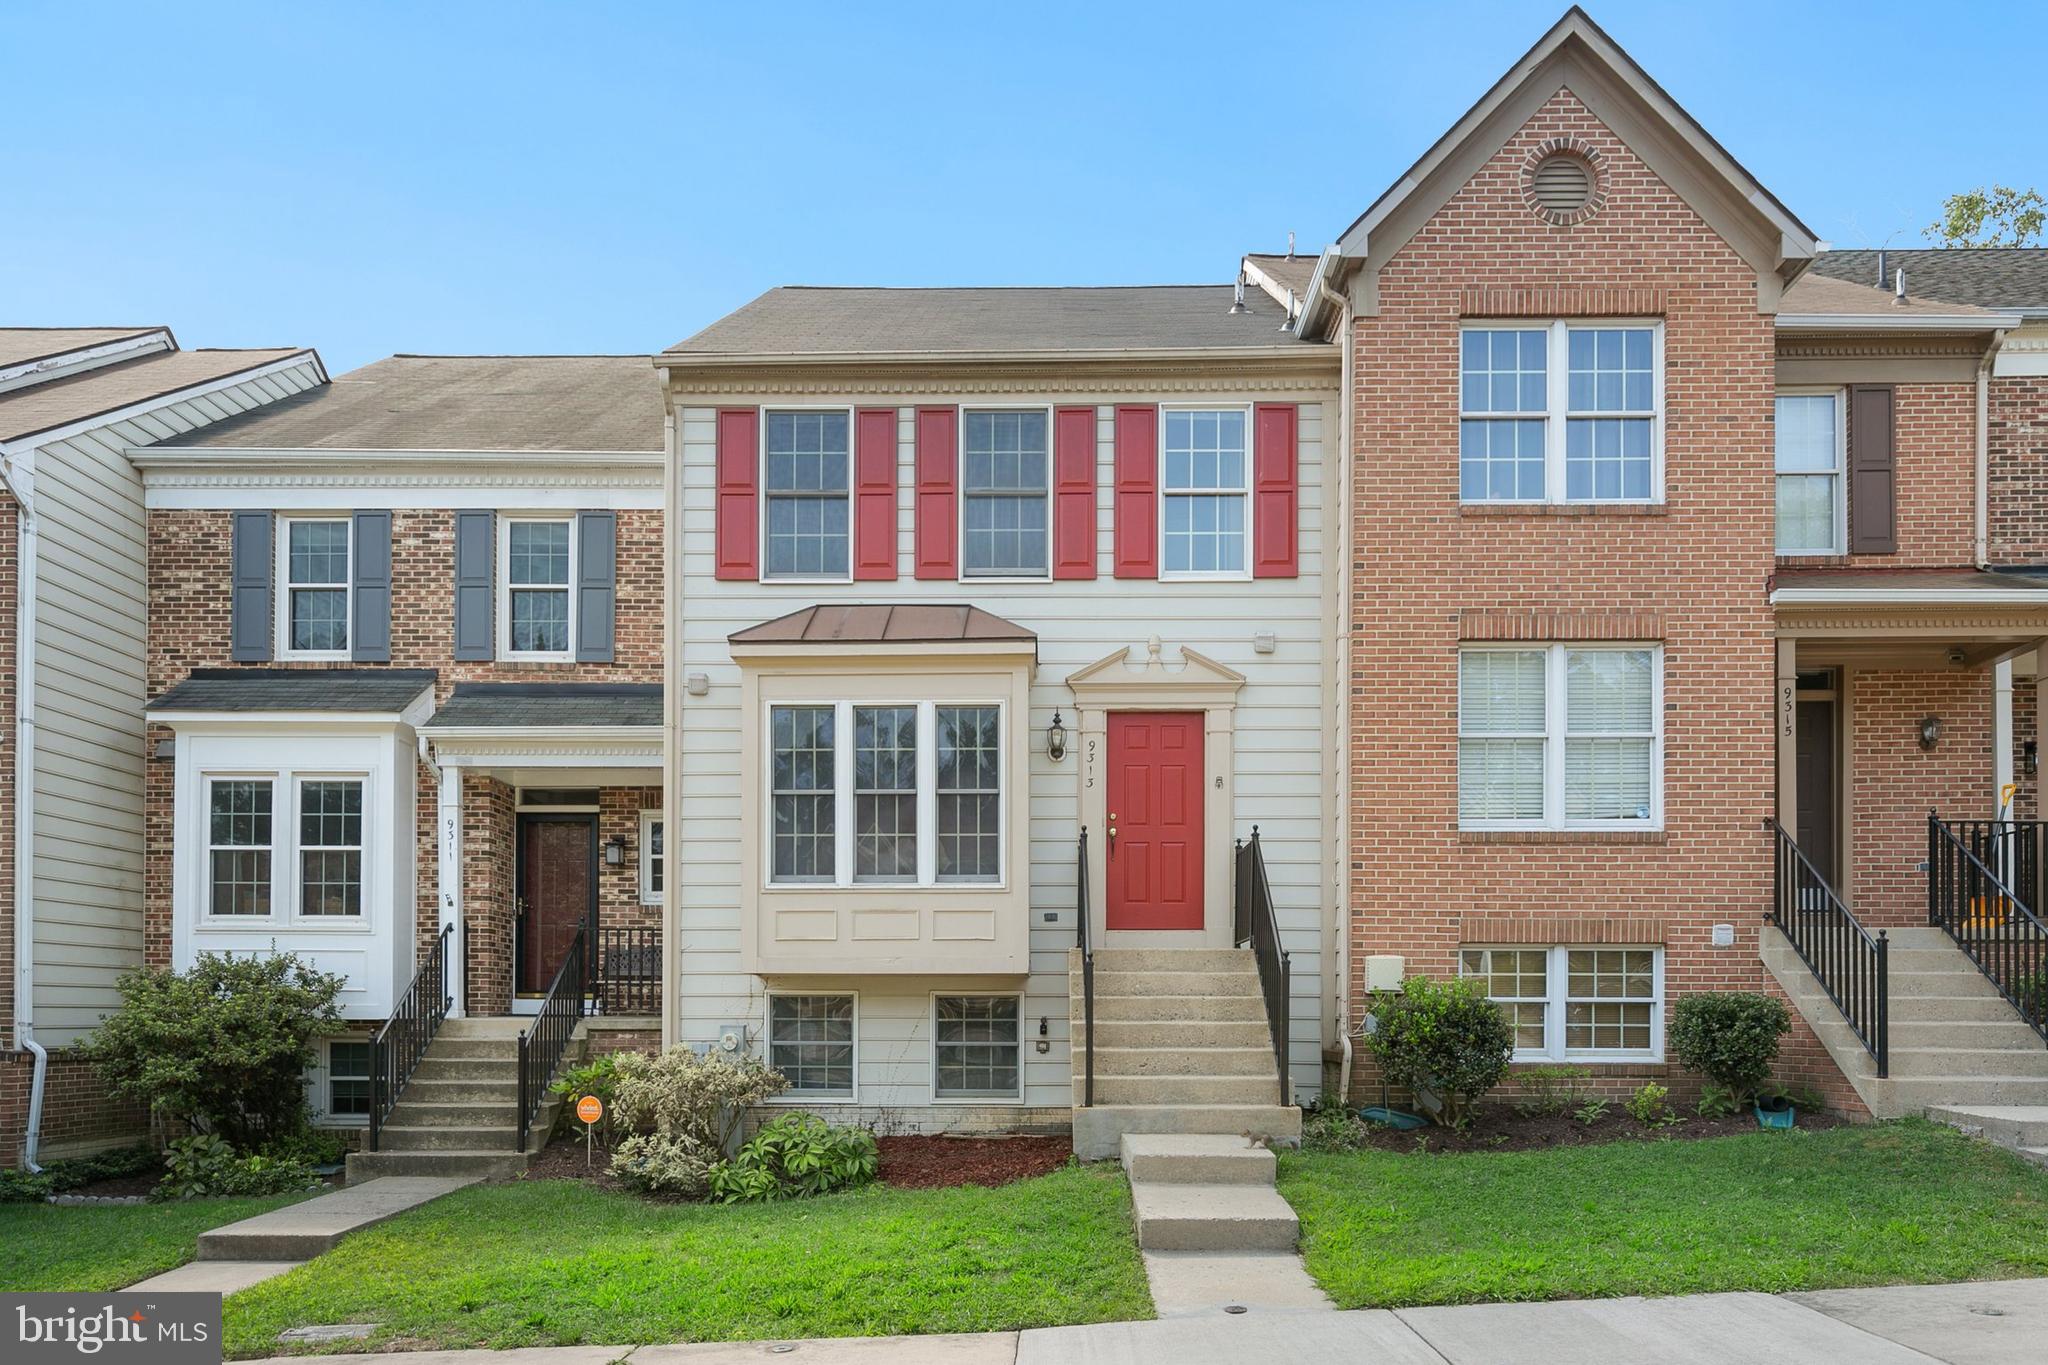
x,y
2030,757
1930,731
1044,1032
615,851
1056,737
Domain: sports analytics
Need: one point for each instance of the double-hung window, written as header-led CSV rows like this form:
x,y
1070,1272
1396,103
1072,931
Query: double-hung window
x,y
906,793
1560,412
977,1047
313,558
536,603
1006,495
1205,489
311,827
811,1042
653,870
348,1079
1561,737
238,845
331,846
1812,453
808,493
1575,1002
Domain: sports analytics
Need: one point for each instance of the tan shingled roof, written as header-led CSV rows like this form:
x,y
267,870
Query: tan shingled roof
x,y
1289,272
19,345
42,407
1824,296
875,624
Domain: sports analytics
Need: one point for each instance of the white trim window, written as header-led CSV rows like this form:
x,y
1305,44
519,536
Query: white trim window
x,y
319,837
807,494
811,1041
918,783
240,819
977,1047
1576,1002
1569,412
313,572
536,597
1006,493
1561,737
653,867
1812,472
1205,491
348,1078
330,846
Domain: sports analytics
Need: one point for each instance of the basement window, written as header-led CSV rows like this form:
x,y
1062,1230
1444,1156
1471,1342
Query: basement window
x,y
1576,1002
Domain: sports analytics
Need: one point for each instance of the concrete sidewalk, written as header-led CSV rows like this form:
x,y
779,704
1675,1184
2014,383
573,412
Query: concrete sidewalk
x,y
2001,1322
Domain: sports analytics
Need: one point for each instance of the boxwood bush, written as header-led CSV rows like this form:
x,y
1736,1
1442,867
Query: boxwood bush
x,y
1730,1037
1443,1037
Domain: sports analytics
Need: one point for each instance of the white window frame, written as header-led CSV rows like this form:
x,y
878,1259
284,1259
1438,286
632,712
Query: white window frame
x,y
331,1075
1557,410
1243,494
1557,976
987,1101
1840,473
804,1098
506,653
1555,732
649,894
960,549
283,577
285,850
843,805
852,483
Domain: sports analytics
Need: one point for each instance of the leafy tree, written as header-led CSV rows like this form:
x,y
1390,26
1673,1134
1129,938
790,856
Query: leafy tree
x,y
2000,216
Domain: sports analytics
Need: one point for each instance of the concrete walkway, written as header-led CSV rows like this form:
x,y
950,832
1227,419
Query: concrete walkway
x,y
1990,1323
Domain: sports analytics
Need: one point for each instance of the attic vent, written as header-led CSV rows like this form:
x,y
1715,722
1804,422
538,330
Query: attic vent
x,y
1562,185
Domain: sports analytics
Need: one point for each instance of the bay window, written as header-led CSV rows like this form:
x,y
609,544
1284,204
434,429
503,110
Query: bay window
x,y
1560,737
1560,412
317,838
1575,1002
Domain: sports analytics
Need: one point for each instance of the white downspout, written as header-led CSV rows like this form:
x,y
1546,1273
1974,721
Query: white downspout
x,y
1347,477
21,483
1982,543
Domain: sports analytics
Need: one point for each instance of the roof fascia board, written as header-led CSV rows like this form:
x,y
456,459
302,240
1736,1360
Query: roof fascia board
x,y
1290,351
566,734
837,653
64,432
63,364
1910,597
226,456
281,720
1894,322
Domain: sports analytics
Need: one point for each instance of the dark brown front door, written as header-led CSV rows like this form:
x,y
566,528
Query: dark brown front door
x,y
1819,795
557,892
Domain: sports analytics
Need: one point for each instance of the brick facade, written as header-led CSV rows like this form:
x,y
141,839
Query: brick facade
x,y
1894,782
2019,460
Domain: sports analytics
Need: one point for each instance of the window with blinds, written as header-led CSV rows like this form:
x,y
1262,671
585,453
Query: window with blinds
x,y
1560,737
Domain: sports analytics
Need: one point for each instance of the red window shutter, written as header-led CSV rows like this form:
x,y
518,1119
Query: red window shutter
x,y
739,497
1073,493
1137,492
938,492
1276,517
874,493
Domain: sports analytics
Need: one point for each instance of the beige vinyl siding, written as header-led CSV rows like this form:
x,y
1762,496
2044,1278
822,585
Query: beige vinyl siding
x,y
91,637
1284,751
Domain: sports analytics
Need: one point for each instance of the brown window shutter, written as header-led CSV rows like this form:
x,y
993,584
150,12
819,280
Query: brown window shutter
x,y
1873,472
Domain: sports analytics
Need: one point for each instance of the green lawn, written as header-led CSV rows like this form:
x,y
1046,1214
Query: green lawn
x,y
540,1263
1895,1203
106,1246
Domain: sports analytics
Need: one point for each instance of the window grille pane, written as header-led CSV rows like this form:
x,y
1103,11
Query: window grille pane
x,y
1005,472
319,619
969,793
1503,371
810,1041
807,486
317,552
1205,533
979,1045
801,756
1607,458
1609,999
1518,980
1610,370
540,622
1500,461
238,859
316,592
1204,491
537,553
885,793
331,848
1501,691
348,1079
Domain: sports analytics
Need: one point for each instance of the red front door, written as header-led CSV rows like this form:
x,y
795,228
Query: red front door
x,y
1155,820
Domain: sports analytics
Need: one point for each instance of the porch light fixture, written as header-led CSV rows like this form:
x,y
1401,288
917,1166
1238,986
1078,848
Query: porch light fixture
x,y
1056,737
615,851
1930,731
2030,757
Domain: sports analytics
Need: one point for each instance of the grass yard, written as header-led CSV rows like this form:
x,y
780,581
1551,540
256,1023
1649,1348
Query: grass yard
x,y
1894,1203
95,1247
547,1262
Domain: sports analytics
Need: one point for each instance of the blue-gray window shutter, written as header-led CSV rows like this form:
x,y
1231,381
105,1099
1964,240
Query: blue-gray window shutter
x,y
370,604
251,629
476,589
597,556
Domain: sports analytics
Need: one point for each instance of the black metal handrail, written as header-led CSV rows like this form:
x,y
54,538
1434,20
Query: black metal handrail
x,y
1852,965
396,1047
541,1046
1082,941
1990,921
625,972
1256,928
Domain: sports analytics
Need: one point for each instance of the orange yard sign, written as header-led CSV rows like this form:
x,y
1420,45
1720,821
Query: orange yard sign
x,y
590,1109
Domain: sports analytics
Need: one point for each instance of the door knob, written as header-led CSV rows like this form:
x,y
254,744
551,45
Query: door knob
x,y
1112,832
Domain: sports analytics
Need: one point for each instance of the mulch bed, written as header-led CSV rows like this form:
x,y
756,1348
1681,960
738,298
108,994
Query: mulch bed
x,y
1499,1128
562,1159
934,1161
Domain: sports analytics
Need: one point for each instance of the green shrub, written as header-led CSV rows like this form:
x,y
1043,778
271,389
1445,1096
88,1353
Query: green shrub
x,y
1650,1105
1592,1111
1445,1037
1717,1101
1328,1128
223,1047
1550,1090
663,1163
680,1094
25,1187
1730,1037
599,1077
205,1167
798,1154
315,1147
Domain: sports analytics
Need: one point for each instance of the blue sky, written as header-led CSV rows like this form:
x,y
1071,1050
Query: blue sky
x,y
509,177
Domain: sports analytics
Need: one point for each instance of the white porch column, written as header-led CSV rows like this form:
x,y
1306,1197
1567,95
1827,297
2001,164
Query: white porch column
x,y
449,817
1787,701
2001,736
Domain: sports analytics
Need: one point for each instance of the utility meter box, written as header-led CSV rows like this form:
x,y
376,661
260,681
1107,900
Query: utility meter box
x,y
1383,971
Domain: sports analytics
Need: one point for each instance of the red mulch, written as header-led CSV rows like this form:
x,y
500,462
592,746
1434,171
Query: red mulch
x,y
1499,1128
934,1161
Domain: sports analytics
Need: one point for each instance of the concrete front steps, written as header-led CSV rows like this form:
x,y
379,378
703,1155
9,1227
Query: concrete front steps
x,y
1955,1042
2021,1127
1181,1047
458,1117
